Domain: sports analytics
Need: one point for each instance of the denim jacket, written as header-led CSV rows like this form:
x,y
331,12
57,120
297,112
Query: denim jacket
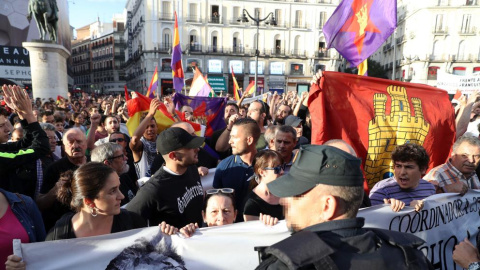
x,y
28,214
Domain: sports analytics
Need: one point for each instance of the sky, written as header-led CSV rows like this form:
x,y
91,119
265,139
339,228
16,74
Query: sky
x,y
83,12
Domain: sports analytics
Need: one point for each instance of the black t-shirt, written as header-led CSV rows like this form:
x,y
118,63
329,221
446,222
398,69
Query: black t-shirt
x,y
50,178
122,222
175,199
128,188
256,205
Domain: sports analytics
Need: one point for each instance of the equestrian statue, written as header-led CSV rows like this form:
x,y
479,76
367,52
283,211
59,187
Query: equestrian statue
x,y
46,17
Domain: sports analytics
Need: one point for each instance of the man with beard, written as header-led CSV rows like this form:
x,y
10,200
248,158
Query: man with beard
x,y
321,196
174,194
110,124
458,174
234,171
143,143
113,155
75,144
282,113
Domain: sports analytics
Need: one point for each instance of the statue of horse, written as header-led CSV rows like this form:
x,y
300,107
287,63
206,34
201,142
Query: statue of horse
x,y
45,13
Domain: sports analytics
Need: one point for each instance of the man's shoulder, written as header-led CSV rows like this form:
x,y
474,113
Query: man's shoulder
x,y
440,169
226,162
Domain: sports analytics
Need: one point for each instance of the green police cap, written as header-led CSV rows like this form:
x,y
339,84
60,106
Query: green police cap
x,y
318,164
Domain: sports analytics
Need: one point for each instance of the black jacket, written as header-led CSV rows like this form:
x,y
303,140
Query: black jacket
x,y
344,244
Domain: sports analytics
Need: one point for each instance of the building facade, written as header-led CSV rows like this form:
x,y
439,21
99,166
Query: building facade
x,y
433,36
212,38
98,57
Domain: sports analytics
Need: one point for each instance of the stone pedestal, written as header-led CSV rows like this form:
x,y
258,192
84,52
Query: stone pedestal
x,y
48,65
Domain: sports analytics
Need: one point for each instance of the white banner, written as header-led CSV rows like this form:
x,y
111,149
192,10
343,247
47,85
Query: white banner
x,y
452,83
445,220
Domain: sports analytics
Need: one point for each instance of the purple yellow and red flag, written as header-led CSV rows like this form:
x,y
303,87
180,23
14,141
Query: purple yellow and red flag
x,y
235,87
357,28
375,115
200,86
152,88
176,64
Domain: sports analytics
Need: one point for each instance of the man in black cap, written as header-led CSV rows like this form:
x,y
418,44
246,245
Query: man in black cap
x,y
296,123
321,196
174,194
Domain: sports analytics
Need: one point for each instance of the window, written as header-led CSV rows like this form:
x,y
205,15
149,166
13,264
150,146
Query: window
x,y
298,19
166,64
193,63
466,23
258,11
459,71
278,16
461,50
322,20
432,73
193,11
440,22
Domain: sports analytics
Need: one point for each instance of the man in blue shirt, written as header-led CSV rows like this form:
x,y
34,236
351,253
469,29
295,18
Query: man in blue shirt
x,y
235,170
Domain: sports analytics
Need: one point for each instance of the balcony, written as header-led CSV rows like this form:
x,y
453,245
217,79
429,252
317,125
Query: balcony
x,y
401,40
325,54
463,57
298,53
434,57
324,1
471,31
166,17
277,52
440,30
235,50
300,25
195,48
164,47
194,19
215,19
280,25
215,49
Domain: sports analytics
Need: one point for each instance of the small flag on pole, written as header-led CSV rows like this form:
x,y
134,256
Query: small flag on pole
x,y
153,84
176,64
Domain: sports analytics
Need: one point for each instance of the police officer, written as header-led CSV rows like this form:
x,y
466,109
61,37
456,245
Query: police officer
x,y
321,196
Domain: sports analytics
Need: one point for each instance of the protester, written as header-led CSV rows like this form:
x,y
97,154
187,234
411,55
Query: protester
x,y
296,123
19,219
93,192
19,155
219,207
143,142
234,171
285,141
43,163
258,112
174,194
281,114
270,136
219,140
113,155
466,255
406,187
75,144
267,166
323,219
187,111
111,125
458,173
123,140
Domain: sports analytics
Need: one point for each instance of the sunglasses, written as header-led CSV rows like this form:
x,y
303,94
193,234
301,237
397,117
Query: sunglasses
x,y
112,158
117,140
276,170
220,190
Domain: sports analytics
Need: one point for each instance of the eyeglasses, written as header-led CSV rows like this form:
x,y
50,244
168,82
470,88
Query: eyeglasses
x,y
276,170
112,158
117,140
220,190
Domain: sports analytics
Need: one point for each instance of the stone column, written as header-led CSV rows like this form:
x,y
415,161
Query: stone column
x,y
48,65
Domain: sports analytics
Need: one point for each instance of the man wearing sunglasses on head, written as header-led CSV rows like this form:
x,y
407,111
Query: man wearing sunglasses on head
x,y
174,194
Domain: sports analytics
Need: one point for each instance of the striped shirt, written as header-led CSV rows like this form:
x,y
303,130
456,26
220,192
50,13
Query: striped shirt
x,y
447,174
389,188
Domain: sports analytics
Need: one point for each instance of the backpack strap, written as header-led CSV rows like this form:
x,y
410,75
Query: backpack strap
x,y
302,249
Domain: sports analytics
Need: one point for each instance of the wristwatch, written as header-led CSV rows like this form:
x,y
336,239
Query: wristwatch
x,y
474,266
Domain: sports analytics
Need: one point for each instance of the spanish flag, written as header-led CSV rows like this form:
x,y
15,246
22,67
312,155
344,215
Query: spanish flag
x,y
250,89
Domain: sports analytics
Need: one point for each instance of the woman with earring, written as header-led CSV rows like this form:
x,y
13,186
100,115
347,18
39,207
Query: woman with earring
x,y
261,204
92,191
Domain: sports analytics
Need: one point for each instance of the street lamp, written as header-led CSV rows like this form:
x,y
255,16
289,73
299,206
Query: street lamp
x,y
257,21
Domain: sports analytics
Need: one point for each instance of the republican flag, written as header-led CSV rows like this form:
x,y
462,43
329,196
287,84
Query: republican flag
x,y
357,28
200,86
235,87
177,67
210,108
375,115
250,89
153,84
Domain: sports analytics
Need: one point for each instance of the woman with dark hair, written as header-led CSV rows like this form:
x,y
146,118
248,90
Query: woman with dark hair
x,y
267,167
92,191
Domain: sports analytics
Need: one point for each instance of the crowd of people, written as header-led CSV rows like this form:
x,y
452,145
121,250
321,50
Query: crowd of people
x,y
70,169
